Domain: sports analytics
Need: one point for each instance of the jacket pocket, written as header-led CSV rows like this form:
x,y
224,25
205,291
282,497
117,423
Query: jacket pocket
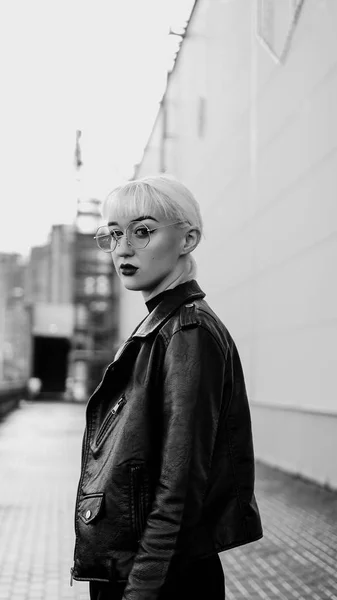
x,y
138,497
90,507
110,417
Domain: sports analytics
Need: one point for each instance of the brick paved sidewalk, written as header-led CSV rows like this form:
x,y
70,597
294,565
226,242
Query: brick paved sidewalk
x,y
39,468
297,557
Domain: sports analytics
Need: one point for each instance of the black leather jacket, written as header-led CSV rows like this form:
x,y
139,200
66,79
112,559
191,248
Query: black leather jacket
x,y
167,465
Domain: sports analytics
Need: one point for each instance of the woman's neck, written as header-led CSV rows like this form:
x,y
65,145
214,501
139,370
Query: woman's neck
x,y
167,284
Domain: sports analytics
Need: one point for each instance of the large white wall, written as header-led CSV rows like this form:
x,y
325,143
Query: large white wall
x,y
265,174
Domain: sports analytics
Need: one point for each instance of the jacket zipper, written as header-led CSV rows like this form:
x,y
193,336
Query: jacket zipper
x,y
109,418
111,415
138,499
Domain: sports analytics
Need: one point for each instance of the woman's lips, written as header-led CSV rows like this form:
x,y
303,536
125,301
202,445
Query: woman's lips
x,y
128,269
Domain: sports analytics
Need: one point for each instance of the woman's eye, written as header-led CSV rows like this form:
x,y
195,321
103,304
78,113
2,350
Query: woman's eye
x,y
141,232
116,233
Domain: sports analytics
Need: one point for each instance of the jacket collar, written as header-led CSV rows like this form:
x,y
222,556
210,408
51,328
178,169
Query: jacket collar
x,y
186,292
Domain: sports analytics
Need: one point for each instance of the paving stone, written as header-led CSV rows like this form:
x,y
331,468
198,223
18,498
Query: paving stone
x,y
40,446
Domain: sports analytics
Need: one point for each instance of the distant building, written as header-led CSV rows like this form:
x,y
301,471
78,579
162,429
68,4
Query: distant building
x,y
15,338
61,264
96,301
49,273
249,123
71,288
37,278
49,292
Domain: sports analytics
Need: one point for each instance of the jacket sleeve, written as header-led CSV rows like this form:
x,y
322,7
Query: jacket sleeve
x,y
193,379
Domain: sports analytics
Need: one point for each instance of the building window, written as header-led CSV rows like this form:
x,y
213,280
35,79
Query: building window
x,y
103,285
97,285
80,341
81,316
98,320
89,286
99,306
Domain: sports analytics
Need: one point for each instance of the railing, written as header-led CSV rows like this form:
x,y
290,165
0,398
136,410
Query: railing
x,y
10,395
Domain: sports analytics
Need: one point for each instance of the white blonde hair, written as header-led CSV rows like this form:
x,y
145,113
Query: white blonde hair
x,y
161,193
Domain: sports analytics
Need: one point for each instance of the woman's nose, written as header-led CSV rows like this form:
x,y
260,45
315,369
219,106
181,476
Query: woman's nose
x,y
123,248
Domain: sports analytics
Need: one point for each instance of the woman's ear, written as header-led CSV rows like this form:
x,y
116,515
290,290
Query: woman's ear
x,y
190,240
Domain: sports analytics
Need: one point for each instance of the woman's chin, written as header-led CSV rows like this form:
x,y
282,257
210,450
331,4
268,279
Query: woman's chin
x,y
131,284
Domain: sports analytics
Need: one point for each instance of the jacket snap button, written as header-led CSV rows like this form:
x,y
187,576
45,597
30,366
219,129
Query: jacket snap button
x,y
88,514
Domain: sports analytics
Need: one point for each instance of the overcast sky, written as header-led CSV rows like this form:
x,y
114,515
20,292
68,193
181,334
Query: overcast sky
x,y
99,66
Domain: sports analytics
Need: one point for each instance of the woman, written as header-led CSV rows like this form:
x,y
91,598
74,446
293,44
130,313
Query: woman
x,y
167,471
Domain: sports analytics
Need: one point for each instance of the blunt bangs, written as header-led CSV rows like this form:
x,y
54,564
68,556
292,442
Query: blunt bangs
x,y
159,195
133,200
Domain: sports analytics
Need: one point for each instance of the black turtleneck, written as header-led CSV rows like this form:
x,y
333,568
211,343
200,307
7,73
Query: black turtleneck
x,y
153,302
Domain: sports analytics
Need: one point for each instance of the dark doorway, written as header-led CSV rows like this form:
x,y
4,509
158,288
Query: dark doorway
x,y
50,363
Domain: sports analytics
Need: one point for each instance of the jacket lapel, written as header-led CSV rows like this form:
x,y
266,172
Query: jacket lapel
x,y
187,292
